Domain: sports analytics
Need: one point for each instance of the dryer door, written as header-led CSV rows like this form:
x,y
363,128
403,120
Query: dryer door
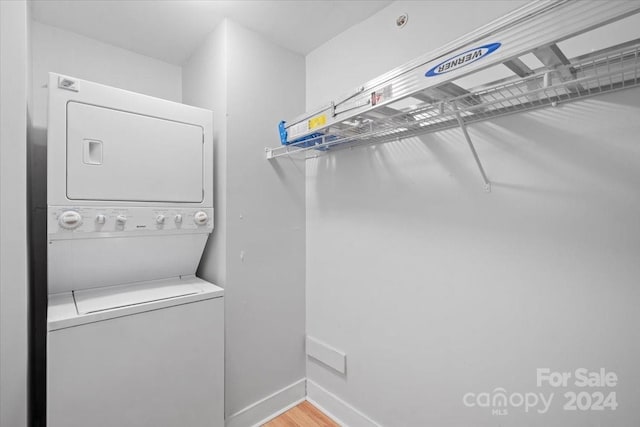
x,y
119,155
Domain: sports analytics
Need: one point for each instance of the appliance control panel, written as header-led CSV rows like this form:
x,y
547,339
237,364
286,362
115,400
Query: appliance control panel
x,y
97,221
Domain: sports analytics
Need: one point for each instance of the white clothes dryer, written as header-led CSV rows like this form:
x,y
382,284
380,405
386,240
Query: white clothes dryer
x,y
134,337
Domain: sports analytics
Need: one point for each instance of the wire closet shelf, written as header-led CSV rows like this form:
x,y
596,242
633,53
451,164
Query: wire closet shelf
x,y
596,73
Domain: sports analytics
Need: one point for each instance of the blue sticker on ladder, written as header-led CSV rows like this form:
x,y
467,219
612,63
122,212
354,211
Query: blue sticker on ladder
x,y
463,59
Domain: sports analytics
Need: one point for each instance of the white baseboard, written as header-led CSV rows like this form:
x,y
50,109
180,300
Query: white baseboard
x,y
270,407
337,409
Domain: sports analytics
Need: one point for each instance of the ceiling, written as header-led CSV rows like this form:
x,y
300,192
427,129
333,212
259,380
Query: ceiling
x,y
170,30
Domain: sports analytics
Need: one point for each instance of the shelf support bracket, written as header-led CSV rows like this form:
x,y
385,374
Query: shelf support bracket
x,y
269,153
463,126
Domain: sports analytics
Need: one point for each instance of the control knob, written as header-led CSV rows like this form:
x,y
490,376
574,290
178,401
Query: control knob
x,y
178,219
160,219
121,219
70,220
100,219
200,218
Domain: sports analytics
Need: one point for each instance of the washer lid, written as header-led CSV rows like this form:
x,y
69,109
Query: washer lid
x,y
102,299
74,308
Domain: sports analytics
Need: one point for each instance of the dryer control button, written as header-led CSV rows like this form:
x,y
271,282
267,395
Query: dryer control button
x,y
100,219
121,219
160,219
70,220
200,218
178,219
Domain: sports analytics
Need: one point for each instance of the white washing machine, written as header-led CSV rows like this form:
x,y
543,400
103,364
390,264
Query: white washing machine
x,y
134,337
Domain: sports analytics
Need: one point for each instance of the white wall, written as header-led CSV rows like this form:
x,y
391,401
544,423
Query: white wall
x,y
266,240
61,51
14,35
204,84
434,288
260,211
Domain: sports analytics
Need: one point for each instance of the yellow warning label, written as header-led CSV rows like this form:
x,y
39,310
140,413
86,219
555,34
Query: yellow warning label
x,y
317,121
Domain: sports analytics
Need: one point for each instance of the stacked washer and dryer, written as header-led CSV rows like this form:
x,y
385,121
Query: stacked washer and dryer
x,y
134,337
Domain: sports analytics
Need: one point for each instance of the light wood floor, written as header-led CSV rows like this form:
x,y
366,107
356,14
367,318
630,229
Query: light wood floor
x,y
303,415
